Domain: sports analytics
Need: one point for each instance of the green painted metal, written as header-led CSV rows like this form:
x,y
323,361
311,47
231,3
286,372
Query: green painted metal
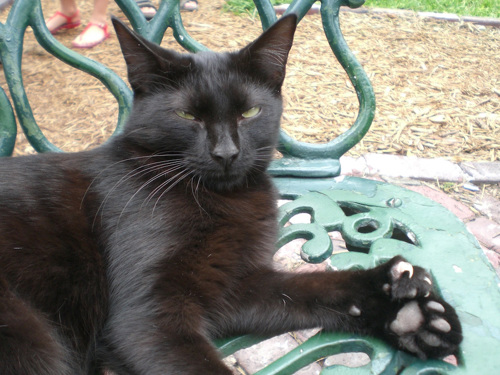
x,y
402,222
8,129
433,237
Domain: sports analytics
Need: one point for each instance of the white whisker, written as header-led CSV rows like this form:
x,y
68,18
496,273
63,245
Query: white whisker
x,y
148,182
195,190
186,174
163,184
139,171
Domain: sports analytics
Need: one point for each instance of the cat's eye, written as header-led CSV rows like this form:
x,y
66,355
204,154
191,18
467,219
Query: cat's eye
x,y
185,115
252,112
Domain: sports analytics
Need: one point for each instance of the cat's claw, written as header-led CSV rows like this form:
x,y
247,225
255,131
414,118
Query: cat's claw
x,y
424,324
407,281
400,268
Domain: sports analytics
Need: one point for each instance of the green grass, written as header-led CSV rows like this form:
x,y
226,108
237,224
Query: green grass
x,y
247,6
480,8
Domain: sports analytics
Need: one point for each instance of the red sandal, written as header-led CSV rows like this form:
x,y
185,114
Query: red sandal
x,y
102,26
69,24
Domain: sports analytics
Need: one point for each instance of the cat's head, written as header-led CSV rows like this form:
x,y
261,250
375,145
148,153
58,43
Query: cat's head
x,y
219,113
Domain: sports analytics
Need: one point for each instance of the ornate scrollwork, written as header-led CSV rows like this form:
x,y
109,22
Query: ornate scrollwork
x,y
361,222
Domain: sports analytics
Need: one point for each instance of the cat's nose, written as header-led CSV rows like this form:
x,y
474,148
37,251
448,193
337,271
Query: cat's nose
x,y
225,154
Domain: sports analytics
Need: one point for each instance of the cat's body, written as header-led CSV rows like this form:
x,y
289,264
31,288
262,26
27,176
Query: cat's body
x,y
135,255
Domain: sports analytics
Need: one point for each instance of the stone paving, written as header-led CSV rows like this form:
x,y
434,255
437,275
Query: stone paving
x,y
409,172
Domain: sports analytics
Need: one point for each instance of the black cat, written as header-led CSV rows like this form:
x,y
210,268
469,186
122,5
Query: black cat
x,y
135,255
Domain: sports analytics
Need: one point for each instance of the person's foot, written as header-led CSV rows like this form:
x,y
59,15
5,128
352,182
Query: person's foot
x,y
147,8
5,3
189,5
94,34
60,21
148,12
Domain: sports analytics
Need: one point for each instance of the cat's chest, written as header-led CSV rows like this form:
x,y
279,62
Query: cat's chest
x,y
187,224
235,222
189,239
224,242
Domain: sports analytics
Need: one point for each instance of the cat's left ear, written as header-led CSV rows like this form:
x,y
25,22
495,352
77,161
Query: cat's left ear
x,y
268,54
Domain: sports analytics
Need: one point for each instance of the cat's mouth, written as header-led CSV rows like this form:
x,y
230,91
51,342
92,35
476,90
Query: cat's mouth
x,y
226,183
218,175
225,178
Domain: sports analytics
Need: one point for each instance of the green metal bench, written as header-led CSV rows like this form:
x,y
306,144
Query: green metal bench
x,y
376,220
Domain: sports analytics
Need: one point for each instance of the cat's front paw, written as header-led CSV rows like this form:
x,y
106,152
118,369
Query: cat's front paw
x,y
421,323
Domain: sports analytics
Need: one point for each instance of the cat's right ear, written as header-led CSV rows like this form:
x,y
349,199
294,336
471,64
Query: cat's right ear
x,y
147,63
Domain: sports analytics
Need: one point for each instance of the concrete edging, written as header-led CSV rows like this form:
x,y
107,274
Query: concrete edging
x,y
440,169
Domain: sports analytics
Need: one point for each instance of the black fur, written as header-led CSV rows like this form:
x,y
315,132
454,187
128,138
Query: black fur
x,y
137,254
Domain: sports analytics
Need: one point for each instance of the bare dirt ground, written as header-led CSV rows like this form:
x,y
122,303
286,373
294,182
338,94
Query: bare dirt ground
x,y
437,84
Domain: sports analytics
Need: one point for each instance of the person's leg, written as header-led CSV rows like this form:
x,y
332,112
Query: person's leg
x,y
67,18
97,29
99,15
68,7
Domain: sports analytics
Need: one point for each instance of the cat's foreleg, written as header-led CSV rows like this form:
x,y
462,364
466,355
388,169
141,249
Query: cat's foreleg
x,y
394,301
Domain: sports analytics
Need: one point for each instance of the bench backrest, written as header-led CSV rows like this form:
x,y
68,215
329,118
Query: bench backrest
x,y
300,159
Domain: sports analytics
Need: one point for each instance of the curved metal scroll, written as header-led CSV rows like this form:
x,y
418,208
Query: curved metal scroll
x,y
299,158
8,128
298,155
